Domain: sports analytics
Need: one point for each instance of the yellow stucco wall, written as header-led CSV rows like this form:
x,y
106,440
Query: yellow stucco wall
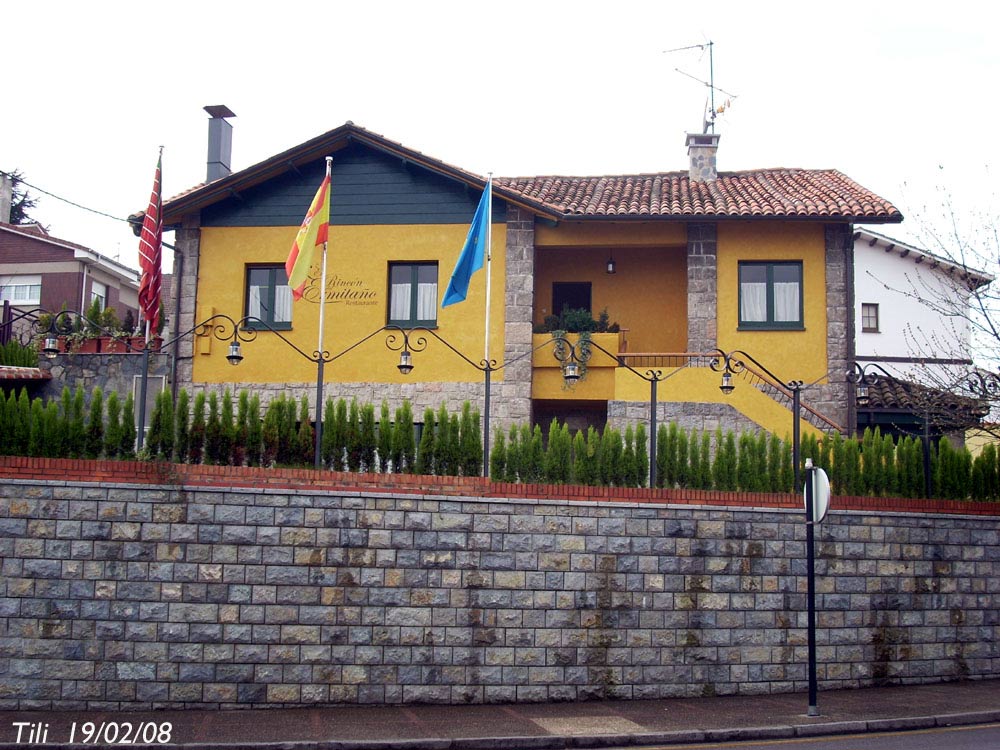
x,y
648,293
358,261
789,354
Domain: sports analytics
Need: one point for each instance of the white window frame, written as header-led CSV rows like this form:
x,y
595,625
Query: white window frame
x,y
22,290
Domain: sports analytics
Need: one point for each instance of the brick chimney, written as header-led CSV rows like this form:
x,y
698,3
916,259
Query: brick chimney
x,y
220,142
702,148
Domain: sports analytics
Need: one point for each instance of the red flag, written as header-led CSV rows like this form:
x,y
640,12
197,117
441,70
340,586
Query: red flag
x,y
150,252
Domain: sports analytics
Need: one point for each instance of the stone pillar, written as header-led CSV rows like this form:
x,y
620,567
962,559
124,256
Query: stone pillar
x,y
702,287
512,397
833,398
188,242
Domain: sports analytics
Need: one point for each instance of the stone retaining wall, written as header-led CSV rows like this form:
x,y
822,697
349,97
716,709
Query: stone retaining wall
x,y
135,596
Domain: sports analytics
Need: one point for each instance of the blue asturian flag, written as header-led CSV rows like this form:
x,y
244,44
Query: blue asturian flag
x,y
473,252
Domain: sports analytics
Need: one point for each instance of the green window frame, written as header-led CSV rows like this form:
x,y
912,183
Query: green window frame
x,y
267,296
413,294
770,295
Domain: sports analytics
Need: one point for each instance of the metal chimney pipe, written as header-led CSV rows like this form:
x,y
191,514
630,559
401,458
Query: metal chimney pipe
x,y
220,142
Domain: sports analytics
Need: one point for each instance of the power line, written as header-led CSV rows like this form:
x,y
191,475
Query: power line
x,y
65,200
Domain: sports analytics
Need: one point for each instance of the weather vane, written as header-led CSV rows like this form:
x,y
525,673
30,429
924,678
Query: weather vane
x,y
711,111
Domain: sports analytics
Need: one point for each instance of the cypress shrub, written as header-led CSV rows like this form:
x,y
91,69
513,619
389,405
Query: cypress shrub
x,y
385,438
368,439
78,425
445,448
852,467
869,463
196,447
826,453
254,432
182,425
661,456
354,437
683,471
470,442
498,456
36,428
990,469
746,462
94,441
629,466
774,464
562,455
241,430
404,439
227,429
694,460
535,463
425,450
593,456
14,433
66,421
726,464
305,437
455,444
151,440
113,430
329,435
213,428
128,433
168,427
5,427
512,472
890,476
641,455
53,433
787,467
339,436
288,444
836,470
762,482
271,433
579,472
671,468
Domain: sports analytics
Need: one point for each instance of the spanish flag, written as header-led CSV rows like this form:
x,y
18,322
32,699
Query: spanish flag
x,y
312,234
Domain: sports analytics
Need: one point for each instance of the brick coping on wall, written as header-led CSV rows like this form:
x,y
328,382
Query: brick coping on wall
x,y
183,475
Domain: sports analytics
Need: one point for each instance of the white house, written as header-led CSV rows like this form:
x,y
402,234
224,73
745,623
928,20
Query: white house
x,y
911,309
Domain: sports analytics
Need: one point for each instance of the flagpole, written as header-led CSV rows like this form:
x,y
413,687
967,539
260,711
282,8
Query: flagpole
x,y
487,365
317,457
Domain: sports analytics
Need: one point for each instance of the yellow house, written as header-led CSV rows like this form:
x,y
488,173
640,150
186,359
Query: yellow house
x,y
690,265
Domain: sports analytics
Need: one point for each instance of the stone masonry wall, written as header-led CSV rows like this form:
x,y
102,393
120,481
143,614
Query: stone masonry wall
x,y
124,595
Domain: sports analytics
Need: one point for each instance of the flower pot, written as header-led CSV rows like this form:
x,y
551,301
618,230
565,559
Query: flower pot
x,y
111,345
87,346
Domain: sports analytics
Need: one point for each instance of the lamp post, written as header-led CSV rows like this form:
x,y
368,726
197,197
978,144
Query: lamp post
x,y
733,363
399,339
572,356
221,327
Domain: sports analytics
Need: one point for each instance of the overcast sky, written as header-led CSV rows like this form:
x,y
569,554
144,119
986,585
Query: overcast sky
x,y
897,95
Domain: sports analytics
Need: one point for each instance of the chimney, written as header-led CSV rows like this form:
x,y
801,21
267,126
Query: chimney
x,y
702,148
220,142
6,197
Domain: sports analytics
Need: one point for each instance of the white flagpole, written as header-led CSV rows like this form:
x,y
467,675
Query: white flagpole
x,y
322,296
322,319
489,261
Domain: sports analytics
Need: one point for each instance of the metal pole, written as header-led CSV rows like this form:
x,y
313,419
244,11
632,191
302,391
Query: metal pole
x,y
927,454
318,460
811,589
487,376
142,396
796,436
652,432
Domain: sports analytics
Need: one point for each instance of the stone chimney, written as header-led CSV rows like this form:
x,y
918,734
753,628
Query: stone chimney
x,y
220,142
702,148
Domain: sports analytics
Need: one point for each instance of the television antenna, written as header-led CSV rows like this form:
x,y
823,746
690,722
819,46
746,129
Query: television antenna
x,y
711,111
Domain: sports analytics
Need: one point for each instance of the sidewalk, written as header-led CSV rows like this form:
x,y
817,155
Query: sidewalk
x,y
529,726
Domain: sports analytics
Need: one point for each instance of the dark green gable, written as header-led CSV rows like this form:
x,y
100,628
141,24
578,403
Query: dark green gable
x,y
367,187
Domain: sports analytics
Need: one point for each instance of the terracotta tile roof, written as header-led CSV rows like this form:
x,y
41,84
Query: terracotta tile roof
x,y
779,193
765,193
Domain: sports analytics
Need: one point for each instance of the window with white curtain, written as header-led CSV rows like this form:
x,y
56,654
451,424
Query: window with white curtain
x,y
268,296
413,294
770,294
21,290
